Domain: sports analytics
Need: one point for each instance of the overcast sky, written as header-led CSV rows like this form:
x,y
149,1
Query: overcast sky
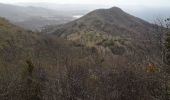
x,y
152,3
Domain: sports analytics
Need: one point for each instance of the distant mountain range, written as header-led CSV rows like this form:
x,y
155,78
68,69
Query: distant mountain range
x,y
144,12
33,18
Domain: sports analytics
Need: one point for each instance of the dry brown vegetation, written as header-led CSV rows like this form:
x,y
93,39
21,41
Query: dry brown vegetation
x,y
43,67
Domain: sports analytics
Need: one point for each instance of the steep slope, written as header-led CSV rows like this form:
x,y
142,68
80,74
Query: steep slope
x,y
111,29
48,56
17,44
111,21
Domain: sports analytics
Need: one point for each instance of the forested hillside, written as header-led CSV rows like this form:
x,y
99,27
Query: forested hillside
x,y
72,64
115,32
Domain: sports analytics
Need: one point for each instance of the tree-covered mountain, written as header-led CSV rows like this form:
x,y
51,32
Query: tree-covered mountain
x,y
97,57
112,21
112,29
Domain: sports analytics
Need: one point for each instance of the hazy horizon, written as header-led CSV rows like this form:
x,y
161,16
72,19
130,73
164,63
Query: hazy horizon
x,y
151,3
148,11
